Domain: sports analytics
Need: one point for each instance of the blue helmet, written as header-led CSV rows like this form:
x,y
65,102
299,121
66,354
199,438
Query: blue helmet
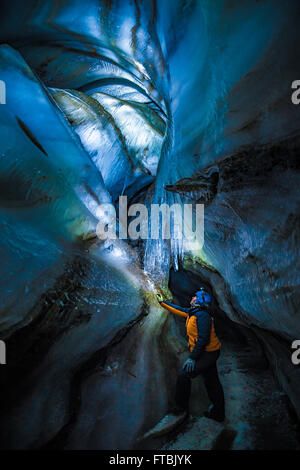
x,y
203,297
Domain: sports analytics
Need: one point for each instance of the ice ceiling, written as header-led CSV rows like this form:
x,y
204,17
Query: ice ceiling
x,y
162,101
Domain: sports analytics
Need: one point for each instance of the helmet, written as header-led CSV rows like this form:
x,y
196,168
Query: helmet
x,y
203,298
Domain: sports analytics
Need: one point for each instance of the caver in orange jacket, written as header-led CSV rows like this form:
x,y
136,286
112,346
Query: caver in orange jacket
x,y
199,327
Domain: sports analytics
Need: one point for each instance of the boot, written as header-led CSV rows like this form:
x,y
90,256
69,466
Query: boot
x,y
215,415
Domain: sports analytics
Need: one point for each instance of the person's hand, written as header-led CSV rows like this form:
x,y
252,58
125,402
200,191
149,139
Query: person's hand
x,y
159,298
189,365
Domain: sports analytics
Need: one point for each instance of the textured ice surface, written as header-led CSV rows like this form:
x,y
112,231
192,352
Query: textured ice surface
x,y
107,98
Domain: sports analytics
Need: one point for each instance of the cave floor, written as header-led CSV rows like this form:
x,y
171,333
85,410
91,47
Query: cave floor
x,y
258,414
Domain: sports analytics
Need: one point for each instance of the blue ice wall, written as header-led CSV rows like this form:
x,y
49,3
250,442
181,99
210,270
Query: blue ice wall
x,y
111,97
148,99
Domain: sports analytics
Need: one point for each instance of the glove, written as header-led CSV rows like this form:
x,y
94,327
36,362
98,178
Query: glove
x,y
189,365
159,298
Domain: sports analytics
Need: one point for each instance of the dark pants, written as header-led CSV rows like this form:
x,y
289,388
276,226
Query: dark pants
x,y
207,367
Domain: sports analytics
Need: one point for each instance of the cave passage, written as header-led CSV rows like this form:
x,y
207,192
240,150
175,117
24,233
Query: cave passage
x,y
177,103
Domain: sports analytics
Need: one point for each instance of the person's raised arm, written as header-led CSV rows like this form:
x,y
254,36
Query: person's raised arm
x,y
182,312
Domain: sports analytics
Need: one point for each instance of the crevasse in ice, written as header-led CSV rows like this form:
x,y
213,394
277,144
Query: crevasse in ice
x,y
165,102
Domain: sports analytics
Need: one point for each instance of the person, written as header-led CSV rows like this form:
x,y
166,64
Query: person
x,y
204,346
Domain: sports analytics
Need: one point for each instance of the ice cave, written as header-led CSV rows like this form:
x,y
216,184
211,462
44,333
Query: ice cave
x,y
161,102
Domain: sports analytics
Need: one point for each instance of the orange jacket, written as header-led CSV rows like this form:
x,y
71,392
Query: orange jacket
x,y
199,327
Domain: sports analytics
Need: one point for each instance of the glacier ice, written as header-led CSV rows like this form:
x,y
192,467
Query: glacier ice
x,y
164,102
